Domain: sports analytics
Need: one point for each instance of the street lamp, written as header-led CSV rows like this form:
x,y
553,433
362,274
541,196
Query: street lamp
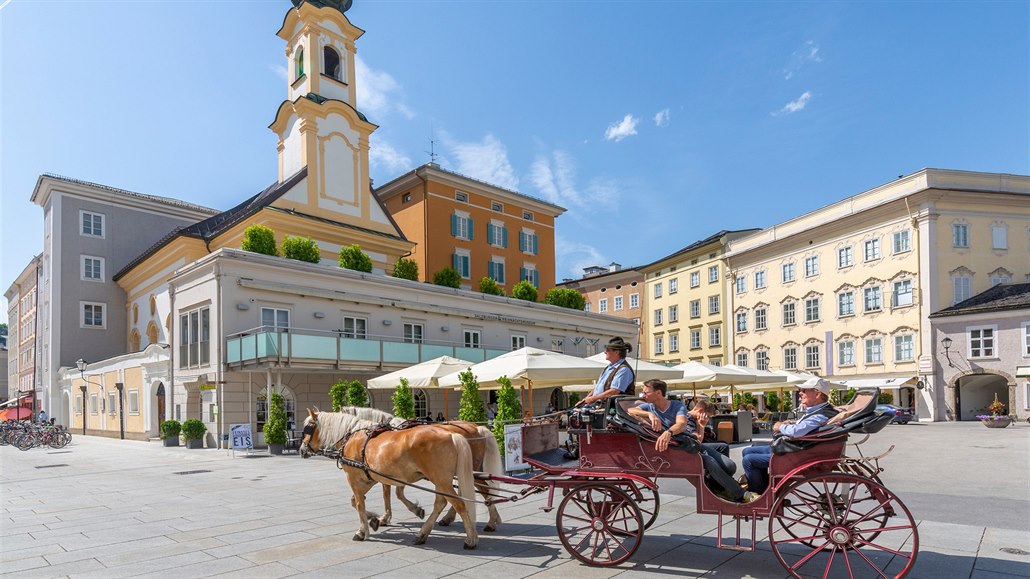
x,y
946,342
81,365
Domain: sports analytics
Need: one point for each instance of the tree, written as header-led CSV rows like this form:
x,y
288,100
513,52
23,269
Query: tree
x,y
509,410
352,257
573,398
525,291
885,398
302,249
786,404
405,269
338,394
447,277
566,298
275,428
356,394
772,402
259,239
3,329
471,406
403,401
488,285
841,397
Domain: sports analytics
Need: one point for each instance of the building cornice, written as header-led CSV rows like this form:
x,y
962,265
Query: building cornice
x,y
48,184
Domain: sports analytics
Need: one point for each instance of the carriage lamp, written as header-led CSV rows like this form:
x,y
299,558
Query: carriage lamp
x,y
946,342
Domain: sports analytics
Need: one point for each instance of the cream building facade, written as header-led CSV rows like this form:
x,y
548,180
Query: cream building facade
x,y
22,345
614,291
846,290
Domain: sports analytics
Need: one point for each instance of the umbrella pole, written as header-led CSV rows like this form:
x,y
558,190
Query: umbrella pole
x,y
530,382
446,408
522,396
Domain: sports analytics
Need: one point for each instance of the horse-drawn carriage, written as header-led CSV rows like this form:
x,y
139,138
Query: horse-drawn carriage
x,y
828,514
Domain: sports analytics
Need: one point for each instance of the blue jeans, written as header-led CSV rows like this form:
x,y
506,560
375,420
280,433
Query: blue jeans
x,y
756,467
720,468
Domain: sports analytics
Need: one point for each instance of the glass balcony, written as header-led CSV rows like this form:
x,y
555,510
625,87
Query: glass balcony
x,y
313,348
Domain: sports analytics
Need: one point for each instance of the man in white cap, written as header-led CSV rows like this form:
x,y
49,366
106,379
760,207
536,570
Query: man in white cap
x,y
815,397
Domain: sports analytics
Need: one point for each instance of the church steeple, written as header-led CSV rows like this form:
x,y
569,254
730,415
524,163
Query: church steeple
x,y
320,50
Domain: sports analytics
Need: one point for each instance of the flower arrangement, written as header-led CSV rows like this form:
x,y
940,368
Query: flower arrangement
x,y
996,409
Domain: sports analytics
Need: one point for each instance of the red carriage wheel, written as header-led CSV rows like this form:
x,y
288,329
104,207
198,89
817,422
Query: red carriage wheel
x,y
842,525
647,500
600,524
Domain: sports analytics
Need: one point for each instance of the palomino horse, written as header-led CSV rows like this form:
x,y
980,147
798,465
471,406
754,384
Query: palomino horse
x,y
398,457
485,458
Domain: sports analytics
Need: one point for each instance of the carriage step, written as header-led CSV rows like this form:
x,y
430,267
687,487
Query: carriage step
x,y
737,545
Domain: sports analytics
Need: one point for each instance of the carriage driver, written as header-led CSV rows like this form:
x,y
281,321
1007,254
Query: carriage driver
x,y
617,378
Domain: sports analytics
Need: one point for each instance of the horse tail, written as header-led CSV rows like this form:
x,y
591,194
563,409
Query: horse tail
x,y
491,454
466,480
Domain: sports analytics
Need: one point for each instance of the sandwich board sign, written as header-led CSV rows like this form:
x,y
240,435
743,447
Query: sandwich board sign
x,y
240,437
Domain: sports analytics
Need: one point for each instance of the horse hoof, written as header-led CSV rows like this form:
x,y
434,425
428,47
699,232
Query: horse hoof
x,y
357,538
420,513
469,547
374,523
443,523
420,540
489,528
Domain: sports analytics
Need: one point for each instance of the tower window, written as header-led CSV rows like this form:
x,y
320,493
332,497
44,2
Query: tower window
x,y
298,63
332,62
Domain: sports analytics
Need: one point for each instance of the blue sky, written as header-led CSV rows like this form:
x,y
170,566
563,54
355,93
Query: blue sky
x,y
654,123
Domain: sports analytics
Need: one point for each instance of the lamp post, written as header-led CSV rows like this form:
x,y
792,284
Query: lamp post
x,y
946,342
81,365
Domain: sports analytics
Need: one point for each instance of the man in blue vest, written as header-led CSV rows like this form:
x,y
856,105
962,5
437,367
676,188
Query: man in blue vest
x,y
617,379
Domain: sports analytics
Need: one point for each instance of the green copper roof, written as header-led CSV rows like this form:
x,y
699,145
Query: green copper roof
x,y
341,5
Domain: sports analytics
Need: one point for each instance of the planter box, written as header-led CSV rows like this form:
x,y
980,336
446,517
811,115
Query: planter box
x,y
276,448
1003,423
171,441
198,443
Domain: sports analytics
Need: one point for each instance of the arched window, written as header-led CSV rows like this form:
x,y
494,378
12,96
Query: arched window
x,y
421,404
134,341
288,402
153,306
331,62
298,63
135,313
559,400
152,333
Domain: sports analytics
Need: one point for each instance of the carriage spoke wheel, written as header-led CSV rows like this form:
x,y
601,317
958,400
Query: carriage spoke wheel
x,y
647,500
842,525
600,524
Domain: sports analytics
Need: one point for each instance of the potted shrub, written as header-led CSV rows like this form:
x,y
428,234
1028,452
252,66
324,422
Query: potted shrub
x,y
997,417
193,431
170,430
275,428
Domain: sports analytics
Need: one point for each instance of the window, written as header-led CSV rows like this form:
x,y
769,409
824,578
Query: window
x,y
461,197
461,262
93,403
112,404
78,405
715,336
787,272
846,304
902,293
602,305
960,235
498,207
713,305
495,270
999,237
530,274
760,279
674,343
674,285
695,279
586,307
761,319
275,319
812,266
790,314
92,268
762,359
741,284
406,198
355,328
872,299
414,333
195,336
961,287
634,300
999,279
659,345
713,274
812,310
472,338
528,242
557,344
618,303
790,358
331,62
421,403
741,322
462,226
497,234
658,317
298,64
1026,343
92,224
904,348
872,249
674,314
695,339
812,356
873,351
981,342
93,315
846,353
695,308
517,342
742,359
657,290
845,257
901,242
527,215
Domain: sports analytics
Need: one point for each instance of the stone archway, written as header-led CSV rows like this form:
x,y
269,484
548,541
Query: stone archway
x,y
974,392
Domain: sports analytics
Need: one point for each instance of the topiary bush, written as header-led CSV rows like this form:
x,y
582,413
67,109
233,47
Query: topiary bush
x,y
259,239
171,428
352,257
302,249
489,285
405,268
565,298
471,407
356,394
447,277
338,394
193,429
509,409
275,428
525,291
403,401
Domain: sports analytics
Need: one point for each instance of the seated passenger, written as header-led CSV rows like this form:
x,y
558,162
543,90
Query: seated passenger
x,y
815,396
670,417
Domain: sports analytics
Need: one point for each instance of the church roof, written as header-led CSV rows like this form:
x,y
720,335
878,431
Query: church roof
x,y
341,5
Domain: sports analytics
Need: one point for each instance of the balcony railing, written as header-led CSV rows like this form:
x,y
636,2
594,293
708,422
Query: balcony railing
x,y
309,348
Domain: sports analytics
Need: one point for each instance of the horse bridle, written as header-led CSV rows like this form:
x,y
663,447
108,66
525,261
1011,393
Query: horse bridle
x,y
307,433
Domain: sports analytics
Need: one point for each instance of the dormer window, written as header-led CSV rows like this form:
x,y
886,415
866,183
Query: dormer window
x,y
331,62
298,63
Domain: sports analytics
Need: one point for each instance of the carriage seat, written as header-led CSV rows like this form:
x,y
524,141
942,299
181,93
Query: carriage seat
x,y
618,415
858,416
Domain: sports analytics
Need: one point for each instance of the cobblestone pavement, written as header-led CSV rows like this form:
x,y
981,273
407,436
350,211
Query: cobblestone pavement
x,y
108,508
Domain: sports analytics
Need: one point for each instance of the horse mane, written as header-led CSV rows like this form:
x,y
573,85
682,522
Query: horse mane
x,y
334,426
373,414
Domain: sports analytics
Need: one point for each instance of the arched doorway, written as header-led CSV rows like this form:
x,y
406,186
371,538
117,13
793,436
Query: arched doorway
x,y
421,404
973,393
159,414
559,400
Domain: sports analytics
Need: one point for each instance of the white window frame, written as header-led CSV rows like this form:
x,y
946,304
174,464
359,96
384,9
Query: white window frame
x,y
713,305
761,318
463,260
845,304
960,235
674,343
742,359
900,347
94,305
901,242
812,266
659,345
518,341
674,285
618,302
871,250
195,337
472,338
979,345
812,356
845,257
695,339
874,351
961,288
634,301
714,336
741,323
100,269
761,359
674,314
602,305
813,310
788,272
93,214
527,240
414,333
112,403
496,231
999,236
846,353
695,279
354,327
790,358
695,308
872,299
760,279
657,290
902,288
94,405
462,225
461,197
658,316
790,313
1026,342
713,273
741,284
276,325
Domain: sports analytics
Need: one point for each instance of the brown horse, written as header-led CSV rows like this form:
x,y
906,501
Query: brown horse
x,y
398,457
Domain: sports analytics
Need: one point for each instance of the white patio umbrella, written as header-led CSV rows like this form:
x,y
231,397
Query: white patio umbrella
x,y
528,367
423,375
642,371
706,375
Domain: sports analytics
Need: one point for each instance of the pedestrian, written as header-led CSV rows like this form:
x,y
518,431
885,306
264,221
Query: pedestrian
x,y
41,417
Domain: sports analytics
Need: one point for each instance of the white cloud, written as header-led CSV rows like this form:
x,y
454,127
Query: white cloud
x,y
809,52
572,256
279,70
795,105
486,160
378,92
382,154
554,178
619,131
662,118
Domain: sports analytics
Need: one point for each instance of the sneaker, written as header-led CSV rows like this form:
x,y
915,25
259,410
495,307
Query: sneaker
x,y
742,481
725,495
750,497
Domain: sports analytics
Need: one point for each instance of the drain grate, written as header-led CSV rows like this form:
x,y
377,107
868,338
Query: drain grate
x,y
60,452
1014,551
51,465
191,472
